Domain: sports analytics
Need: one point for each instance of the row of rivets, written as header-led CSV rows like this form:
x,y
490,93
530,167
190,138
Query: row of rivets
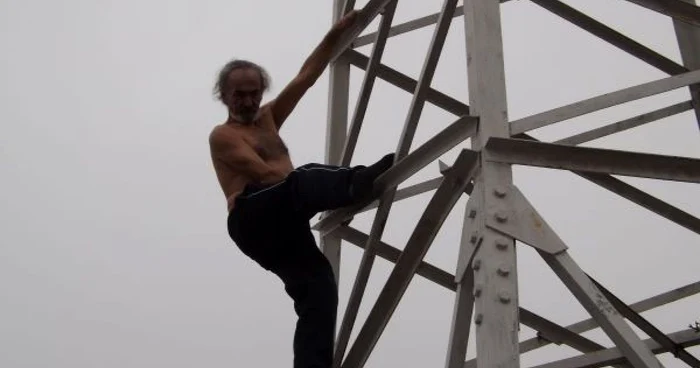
x,y
501,244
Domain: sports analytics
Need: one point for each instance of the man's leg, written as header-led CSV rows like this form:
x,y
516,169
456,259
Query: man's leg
x,y
309,281
320,188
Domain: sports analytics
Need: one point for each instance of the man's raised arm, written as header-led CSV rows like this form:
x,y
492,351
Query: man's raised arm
x,y
310,71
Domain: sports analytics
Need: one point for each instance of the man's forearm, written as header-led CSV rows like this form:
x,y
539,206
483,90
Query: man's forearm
x,y
262,173
256,169
319,59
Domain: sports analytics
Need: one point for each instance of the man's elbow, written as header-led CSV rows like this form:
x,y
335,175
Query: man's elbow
x,y
306,78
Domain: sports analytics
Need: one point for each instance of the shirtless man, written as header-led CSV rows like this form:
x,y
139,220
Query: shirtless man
x,y
270,202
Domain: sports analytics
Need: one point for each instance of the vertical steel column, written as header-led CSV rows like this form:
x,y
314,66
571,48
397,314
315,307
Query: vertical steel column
x,y
496,296
336,131
689,45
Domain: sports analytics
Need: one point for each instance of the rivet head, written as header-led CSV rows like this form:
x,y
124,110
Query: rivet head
x,y
476,265
501,216
473,239
477,291
478,319
501,244
472,214
504,297
504,271
499,192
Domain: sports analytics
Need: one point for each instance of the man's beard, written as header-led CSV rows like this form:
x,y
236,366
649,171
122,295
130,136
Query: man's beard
x,y
247,116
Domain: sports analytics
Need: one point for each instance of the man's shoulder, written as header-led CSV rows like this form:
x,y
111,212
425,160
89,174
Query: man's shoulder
x,y
222,134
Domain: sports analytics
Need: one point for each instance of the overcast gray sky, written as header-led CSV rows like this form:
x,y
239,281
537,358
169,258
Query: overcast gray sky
x,y
113,246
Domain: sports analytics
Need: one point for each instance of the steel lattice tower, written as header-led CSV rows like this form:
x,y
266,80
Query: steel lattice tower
x,y
497,214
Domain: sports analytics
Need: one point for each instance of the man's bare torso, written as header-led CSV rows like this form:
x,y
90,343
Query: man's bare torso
x,y
262,136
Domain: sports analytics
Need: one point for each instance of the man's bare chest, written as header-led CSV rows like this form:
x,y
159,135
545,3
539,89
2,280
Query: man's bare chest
x,y
268,144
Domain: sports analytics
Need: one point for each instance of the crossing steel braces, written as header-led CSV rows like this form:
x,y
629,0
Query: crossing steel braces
x,y
497,214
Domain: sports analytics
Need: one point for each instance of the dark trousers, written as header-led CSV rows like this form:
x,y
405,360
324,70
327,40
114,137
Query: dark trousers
x,y
271,225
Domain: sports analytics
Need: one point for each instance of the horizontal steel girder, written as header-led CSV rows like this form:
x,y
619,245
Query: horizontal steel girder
x,y
526,152
604,101
630,123
639,197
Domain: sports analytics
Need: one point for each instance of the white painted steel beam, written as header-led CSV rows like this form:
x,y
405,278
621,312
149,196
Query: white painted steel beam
x,y
648,328
368,84
365,16
639,197
408,192
426,78
590,324
485,280
388,192
604,101
555,333
464,297
645,200
551,332
604,358
336,127
450,137
530,153
559,335
677,9
612,36
392,254
446,196
360,284
464,306
406,27
626,124
639,307
548,329
591,298
461,320
496,295
408,84
688,37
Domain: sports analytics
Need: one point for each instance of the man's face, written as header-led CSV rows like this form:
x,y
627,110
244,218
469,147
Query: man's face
x,y
244,94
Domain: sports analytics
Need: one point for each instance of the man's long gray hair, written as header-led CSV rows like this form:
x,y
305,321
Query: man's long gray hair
x,y
221,86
